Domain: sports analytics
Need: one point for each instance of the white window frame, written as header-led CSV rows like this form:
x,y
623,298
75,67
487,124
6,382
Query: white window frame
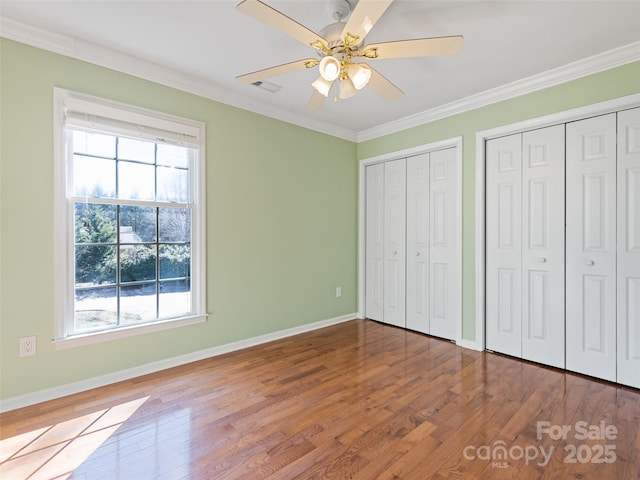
x,y
150,125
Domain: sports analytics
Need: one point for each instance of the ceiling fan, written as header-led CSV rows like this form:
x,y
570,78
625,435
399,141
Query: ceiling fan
x,y
340,45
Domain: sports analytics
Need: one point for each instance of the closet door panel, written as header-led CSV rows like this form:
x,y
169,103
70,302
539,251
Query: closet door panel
x,y
628,258
418,243
442,257
591,247
543,169
394,242
374,257
503,245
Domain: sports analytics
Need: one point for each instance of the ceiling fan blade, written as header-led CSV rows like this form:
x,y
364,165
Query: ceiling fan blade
x,y
272,17
316,101
421,47
278,70
382,86
364,17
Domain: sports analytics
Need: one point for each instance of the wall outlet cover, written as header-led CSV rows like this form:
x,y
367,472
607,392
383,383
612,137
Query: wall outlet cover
x,y
27,346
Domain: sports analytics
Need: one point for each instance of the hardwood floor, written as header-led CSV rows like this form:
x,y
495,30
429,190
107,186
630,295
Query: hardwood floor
x,y
359,400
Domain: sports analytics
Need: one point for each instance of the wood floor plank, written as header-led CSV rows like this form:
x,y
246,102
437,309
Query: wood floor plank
x,y
360,401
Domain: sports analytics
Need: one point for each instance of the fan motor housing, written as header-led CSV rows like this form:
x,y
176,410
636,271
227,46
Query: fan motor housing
x,y
332,34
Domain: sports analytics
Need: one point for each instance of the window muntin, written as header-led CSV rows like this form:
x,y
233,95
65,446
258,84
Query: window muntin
x,y
134,234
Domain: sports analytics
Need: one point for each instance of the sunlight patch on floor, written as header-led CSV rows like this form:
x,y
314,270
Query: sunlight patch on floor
x,y
54,452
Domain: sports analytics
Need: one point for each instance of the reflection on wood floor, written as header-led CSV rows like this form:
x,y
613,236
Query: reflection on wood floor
x,y
358,400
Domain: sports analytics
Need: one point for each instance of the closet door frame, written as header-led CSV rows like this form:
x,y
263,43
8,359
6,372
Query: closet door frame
x,y
615,105
455,142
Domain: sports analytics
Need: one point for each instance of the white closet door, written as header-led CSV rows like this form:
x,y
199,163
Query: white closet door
x,y
629,247
374,257
543,168
503,245
395,186
591,247
418,243
442,255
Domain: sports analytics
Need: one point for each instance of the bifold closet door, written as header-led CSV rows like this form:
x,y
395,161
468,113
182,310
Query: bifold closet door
x,y
543,184
374,255
525,245
628,258
504,245
443,305
576,297
591,247
394,269
418,243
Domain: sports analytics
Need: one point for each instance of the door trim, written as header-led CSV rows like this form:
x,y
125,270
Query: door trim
x,y
609,106
409,152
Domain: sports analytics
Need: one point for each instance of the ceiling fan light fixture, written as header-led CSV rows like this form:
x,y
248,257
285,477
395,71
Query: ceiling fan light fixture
x,y
322,86
347,89
359,75
329,68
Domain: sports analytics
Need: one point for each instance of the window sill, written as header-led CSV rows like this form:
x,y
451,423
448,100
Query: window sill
x,y
125,332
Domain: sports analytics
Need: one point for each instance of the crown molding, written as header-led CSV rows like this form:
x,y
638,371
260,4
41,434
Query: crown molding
x,y
572,71
112,59
105,57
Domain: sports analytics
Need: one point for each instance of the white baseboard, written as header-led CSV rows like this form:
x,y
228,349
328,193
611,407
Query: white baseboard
x,y
83,385
471,345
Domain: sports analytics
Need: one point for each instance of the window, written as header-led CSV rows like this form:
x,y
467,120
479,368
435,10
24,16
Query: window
x,y
129,214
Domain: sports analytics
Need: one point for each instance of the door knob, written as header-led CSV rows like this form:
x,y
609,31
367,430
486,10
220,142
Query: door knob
x,y
417,254
394,252
590,263
543,260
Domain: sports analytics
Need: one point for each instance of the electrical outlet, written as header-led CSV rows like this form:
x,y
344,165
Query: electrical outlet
x,y
338,292
27,346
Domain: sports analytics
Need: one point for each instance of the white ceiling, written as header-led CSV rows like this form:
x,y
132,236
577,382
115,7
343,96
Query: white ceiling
x,y
504,41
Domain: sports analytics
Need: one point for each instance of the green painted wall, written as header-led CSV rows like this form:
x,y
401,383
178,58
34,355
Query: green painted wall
x,y
281,223
596,88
